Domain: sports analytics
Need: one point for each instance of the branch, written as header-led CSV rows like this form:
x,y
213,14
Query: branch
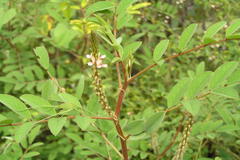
x,y
172,142
46,120
123,140
177,55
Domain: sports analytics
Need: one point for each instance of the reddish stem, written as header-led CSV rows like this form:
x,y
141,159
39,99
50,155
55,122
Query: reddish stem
x,y
46,120
177,55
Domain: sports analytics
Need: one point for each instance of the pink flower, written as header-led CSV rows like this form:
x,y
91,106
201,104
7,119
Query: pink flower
x,y
99,61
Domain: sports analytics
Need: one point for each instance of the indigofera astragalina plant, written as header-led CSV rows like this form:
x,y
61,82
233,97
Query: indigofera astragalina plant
x,y
118,80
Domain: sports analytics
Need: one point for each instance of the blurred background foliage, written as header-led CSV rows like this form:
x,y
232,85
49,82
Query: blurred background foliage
x,y
63,26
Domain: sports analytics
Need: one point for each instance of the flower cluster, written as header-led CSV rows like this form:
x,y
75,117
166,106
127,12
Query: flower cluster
x,y
98,61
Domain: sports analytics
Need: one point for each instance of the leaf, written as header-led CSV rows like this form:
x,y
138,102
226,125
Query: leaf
x,y
200,68
83,122
233,27
186,36
2,118
49,90
123,5
197,84
37,144
153,123
43,58
93,106
56,124
160,49
6,16
192,106
228,92
33,134
222,73
31,154
224,112
212,30
228,128
235,77
23,130
130,49
123,17
99,6
68,98
177,92
38,103
15,105
62,35
134,127
207,126
80,87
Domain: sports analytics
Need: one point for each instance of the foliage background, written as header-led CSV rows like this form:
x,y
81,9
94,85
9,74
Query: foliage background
x,y
48,23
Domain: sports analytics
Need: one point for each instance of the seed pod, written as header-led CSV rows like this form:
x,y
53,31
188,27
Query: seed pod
x,y
183,144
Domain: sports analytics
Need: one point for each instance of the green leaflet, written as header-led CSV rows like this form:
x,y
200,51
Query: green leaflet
x,y
207,126
123,17
197,84
33,134
98,6
130,49
49,90
56,124
200,68
6,16
23,130
186,36
192,106
160,49
134,127
222,73
68,98
15,105
235,77
83,122
224,112
43,58
233,27
39,104
212,30
153,123
123,5
228,92
80,87
31,154
90,146
62,35
177,92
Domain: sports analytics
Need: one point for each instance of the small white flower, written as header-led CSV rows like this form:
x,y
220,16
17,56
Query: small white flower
x,y
99,61
90,63
167,17
165,21
213,6
102,56
88,56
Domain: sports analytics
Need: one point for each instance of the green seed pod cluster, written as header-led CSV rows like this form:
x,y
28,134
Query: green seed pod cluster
x,y
183,144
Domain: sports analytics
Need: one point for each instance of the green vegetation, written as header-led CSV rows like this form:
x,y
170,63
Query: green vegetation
x,y
119,79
